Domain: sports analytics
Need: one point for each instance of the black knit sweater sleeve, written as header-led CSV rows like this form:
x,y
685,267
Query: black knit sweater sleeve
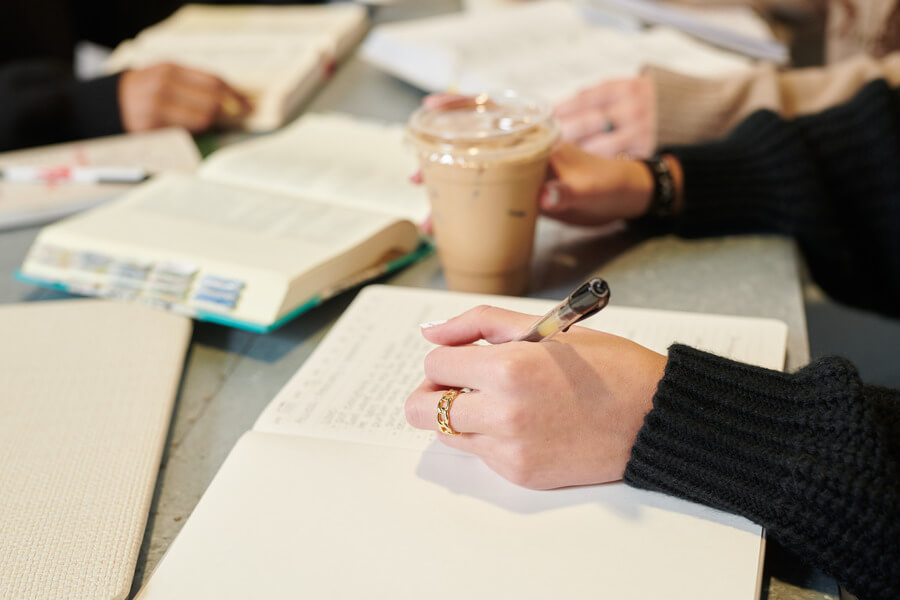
x,y
813,456
830,180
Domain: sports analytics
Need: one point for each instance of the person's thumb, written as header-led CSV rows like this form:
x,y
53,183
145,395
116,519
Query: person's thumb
x,y
489,323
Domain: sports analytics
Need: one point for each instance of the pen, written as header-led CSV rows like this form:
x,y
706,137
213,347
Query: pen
x,y
25,174
588,299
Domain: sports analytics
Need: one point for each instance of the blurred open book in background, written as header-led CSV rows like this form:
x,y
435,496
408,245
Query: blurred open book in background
x,y
276,55
545,48
735,28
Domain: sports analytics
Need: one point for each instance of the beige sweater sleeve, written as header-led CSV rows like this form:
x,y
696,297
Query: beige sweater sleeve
x,y
691,109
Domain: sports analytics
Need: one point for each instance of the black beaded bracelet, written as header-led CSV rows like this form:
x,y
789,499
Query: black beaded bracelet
x,y
662,205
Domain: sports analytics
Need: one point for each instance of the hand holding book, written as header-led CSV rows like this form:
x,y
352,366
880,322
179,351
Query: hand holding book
x,y
170,95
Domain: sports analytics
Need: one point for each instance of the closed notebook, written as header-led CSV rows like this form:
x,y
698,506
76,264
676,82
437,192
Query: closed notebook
x,y
333,495
267,229
25,204
87,395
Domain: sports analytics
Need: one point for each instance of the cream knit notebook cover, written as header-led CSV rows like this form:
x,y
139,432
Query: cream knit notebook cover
x,y
86,394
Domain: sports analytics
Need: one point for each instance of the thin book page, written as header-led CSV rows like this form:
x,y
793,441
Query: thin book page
x,y
246,60
206,220
30,203
343,24
312,159
378,340
333,20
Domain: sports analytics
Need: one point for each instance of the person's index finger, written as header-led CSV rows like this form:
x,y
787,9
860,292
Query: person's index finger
x,y
598,97
585,124
232,103
469,366
198,78
489,323
570,106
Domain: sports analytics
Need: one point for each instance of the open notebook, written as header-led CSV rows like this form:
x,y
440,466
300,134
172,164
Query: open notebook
x,y
545,48
276,55
87,395
23,204
333,495
267,229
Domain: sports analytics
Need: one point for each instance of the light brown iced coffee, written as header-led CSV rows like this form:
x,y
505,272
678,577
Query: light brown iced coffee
x,y
483,166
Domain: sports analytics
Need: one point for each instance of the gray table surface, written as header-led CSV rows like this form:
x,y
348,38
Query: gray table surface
x,y
230,375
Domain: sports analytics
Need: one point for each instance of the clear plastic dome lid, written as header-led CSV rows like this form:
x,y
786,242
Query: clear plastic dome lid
x,y
484,127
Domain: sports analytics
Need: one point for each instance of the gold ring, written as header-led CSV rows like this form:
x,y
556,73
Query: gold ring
x,y
443,412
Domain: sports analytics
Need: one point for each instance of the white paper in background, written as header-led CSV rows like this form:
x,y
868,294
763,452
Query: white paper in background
x,y
545,48
90,59
378,343
736,28
158,151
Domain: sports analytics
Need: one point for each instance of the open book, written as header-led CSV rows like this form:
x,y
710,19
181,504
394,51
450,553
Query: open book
x,y
547,49
333,495
88,391
23,204
267,229
276,55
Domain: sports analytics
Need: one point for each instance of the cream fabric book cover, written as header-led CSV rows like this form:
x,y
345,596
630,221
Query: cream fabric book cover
x,y
87,394
333,495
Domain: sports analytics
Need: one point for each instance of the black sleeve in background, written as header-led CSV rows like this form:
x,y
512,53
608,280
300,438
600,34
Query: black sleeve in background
x,y
830,180
814,457
40,103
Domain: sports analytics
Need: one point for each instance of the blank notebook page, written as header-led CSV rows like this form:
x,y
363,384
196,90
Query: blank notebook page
x,y
87,394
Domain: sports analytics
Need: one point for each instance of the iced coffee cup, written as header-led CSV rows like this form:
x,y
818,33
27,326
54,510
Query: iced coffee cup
x,y
483,164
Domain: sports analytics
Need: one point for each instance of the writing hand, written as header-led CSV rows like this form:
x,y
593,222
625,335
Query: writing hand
x,y
543,415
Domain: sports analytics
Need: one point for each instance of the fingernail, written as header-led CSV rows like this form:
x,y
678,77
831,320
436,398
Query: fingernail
x,y
431,324
551,196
